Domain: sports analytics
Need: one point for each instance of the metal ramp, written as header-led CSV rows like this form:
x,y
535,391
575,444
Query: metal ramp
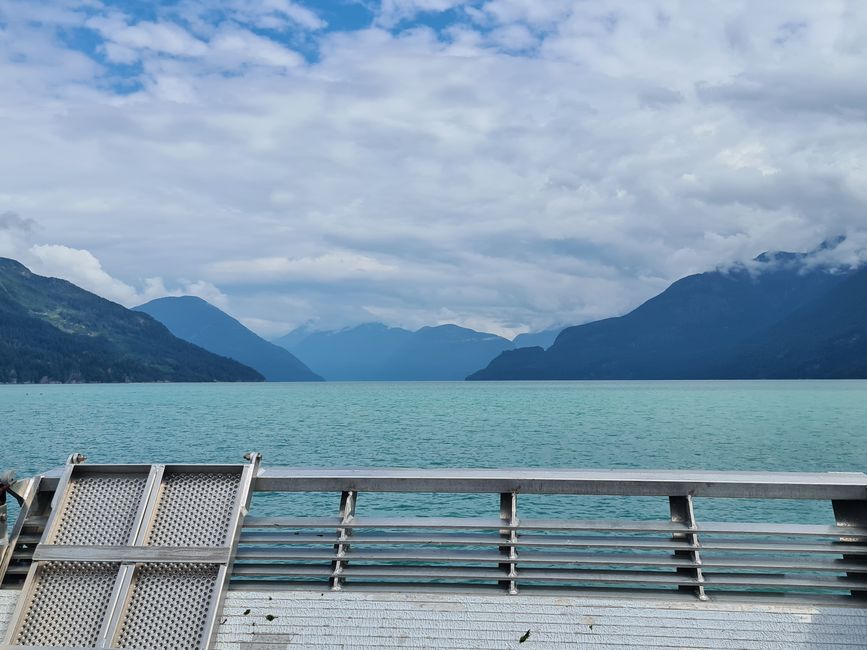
x,y
134,556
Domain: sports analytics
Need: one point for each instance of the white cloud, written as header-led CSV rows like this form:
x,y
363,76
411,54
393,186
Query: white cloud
x,y
295,12
541,162
266,14
747,156
234,46
227,47
83,269
161,38
323,268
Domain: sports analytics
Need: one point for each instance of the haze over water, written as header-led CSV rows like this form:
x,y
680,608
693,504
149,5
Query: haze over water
x,y
756,425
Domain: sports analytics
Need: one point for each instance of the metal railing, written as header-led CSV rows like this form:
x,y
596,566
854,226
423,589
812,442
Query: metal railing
x,y
507,551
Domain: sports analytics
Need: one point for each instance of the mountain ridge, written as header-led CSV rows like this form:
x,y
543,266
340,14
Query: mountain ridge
x,y
377,352
195,320
697,328
52,331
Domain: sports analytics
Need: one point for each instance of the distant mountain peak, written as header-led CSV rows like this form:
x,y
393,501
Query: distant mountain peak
x,y
375,351
196,320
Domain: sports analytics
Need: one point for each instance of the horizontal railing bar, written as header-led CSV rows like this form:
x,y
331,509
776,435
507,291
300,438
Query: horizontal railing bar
x,y
571,541
283,584
756,485
267,570
601,525
793,547
531,557
469,523
632,577
433,555
422,572
791,564
794,530
766,580
453,539
476,523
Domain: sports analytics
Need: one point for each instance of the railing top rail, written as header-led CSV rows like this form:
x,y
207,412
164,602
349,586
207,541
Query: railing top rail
x,y
759,485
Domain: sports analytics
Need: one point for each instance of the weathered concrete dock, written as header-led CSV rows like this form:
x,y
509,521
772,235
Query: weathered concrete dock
x,y
168,556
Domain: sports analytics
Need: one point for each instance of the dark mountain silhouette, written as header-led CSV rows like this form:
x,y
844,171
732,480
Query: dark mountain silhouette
x,y
376,352
778,318
54,331
197,321
825,338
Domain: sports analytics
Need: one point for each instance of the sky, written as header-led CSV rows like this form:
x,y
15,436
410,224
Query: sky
x,y
507,165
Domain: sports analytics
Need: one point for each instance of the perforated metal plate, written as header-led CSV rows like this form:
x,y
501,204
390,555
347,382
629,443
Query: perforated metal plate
x,y
194,509
99,509
168,606
101,598
67,604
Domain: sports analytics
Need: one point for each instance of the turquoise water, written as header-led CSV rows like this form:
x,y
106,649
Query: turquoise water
x,y
776,426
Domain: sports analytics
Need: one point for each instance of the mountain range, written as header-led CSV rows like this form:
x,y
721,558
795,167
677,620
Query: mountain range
x,y
54,331
193,319
781,317
376,352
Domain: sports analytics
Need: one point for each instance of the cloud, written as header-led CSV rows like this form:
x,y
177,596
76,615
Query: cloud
x,y
160,38
11,221
276,14
329,267
83,269
15,232
510,163
238,46
226,47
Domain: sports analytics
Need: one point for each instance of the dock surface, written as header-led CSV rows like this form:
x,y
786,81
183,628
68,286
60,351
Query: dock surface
x,y
346,620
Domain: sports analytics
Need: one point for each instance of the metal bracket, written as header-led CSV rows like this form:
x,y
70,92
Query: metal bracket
x,y
853,514
347,513
509,515
683,512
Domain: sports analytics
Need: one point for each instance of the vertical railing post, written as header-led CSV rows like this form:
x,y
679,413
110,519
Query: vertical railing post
x,y
683,512
509,514
853,514
347,512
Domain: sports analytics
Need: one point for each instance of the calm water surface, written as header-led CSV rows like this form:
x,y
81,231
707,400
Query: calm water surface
x,y
782,426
